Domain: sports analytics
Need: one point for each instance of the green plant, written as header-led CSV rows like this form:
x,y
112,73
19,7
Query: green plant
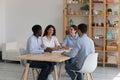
x,y
85,7
109,10
85,1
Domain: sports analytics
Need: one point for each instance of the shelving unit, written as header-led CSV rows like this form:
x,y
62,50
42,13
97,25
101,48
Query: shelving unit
x,y
107,36
71,10
115,30
103,28
97,17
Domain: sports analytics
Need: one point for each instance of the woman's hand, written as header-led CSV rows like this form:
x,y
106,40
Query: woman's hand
x,y
57,48
48,49
62,53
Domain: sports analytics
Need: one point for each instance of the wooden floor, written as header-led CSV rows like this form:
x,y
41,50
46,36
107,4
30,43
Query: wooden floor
x,y
13,71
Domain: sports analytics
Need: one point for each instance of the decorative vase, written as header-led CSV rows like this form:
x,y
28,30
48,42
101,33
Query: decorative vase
x,y
109,13
70,22
69,1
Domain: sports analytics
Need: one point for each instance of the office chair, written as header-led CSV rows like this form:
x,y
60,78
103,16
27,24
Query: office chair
x,y
89,66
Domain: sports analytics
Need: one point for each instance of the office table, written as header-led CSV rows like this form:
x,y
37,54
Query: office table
x,y
49,57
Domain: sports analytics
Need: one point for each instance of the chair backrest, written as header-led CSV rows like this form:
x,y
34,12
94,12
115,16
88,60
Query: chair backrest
x,y
90,63
23,52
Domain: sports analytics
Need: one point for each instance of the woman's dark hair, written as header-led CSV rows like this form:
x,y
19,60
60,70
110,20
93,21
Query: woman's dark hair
x,y
46,30
74,27
82,27
36,28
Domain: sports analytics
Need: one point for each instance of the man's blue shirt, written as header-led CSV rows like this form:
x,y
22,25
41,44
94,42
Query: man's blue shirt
x,y
33,45
83,47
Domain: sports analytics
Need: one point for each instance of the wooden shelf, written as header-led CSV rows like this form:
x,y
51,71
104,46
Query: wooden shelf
x,y
98,39
98,15
97,27
99,50
113,3
104,30
112,15
100,62
112,27
73,15
75,3
102,17
98,2
110,63
111,51
110,39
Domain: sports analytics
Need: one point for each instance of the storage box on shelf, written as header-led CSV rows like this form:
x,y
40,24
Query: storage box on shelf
x,y
112,48
100,58
112,59
98,48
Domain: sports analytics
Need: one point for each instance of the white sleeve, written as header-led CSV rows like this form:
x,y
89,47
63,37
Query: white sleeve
x,y
43,42
56,41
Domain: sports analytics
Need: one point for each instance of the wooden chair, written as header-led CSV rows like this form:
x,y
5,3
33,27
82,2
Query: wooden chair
x,y
24,62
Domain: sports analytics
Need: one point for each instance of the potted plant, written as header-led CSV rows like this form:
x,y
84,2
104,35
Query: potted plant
x,y
76,1
85,1
109,10
85,8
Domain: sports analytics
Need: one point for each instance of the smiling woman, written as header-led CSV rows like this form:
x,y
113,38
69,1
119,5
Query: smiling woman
x,y
49,38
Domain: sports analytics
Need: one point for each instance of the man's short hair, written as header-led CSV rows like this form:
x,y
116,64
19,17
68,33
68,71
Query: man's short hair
x,y
82,27
36,28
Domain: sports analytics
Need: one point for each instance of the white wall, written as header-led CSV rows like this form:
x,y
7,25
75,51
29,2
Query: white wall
x,y
2,20
21,15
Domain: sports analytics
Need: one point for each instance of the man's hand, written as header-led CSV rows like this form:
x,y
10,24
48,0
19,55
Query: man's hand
x,y
65,47
62,53
58,47
48,49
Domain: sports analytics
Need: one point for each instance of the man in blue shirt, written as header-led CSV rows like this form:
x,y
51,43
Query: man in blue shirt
x,y
34,46
83,47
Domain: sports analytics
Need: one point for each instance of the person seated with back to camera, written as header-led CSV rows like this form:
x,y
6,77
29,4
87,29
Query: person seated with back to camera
x,y
50,40
33,47
83,47
70,40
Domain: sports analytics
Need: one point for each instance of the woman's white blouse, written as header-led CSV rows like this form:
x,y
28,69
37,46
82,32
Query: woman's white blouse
x,y
50,43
